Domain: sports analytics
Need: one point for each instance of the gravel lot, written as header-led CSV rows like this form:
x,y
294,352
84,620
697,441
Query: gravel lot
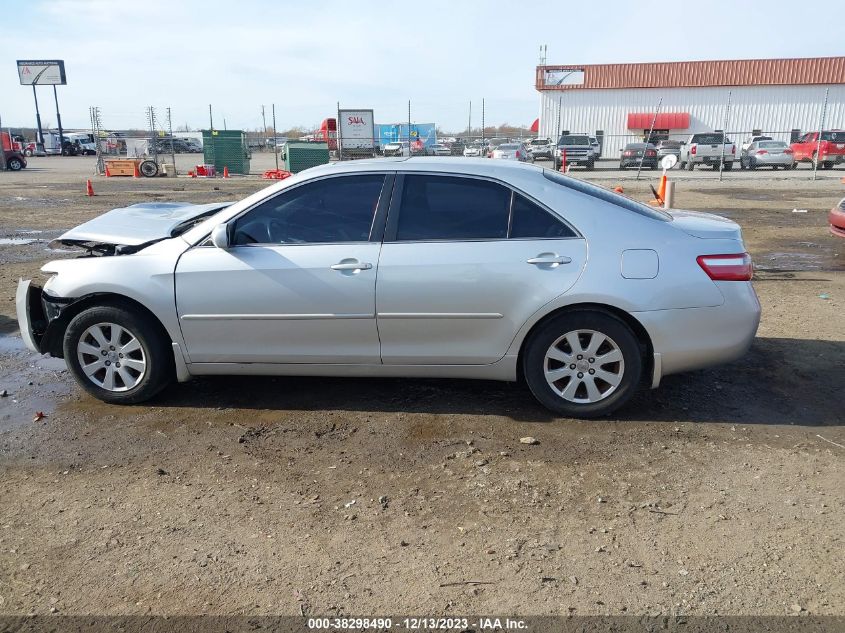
x,y
719,493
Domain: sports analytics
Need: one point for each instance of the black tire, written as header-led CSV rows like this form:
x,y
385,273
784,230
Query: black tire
x,y
156,350
681,165
591,166
534,357
752,164
728,166
148,169
690,166
795,165
27,152
827,165
15,164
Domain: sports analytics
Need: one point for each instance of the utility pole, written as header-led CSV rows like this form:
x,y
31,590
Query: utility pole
x,y
170,133
275,149
409,127
724,135
469,124
482,121
210,118
819,139
264,123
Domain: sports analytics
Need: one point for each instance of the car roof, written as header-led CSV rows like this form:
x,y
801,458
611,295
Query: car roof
x,y
456,164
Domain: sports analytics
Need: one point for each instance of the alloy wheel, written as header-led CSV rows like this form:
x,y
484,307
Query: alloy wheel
x,y
584,366
111,357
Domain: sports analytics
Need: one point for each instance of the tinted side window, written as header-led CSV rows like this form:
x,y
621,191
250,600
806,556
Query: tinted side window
x,y
530,220
451,208
337,209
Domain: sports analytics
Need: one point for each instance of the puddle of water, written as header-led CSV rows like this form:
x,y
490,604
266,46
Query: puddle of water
x,y
33,383
18,241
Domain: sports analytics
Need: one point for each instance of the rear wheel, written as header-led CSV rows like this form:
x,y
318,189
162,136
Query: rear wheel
x,y
117,355
583,364
827,165
690,166
15,164
729,166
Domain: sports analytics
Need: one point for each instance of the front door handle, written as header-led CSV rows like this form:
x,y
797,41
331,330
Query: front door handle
x,y
549,258
351,265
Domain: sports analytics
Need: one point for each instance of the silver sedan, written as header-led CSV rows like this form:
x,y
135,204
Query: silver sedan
x,y
451,268
767,153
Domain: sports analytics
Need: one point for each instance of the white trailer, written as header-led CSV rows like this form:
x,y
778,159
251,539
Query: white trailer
x,y
356,133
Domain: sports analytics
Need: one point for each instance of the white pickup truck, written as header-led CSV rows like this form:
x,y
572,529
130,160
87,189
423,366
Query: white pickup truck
x,y
706,149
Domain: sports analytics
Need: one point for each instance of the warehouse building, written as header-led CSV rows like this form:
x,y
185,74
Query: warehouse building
x,y
618,103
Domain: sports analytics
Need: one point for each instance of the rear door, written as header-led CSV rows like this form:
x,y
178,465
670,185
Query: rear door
x,y
465,262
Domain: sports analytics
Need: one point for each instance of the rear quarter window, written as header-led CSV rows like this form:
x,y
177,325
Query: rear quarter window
x,y
607,196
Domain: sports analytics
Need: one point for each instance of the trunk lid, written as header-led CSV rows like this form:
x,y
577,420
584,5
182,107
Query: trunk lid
x,y
706,225
137,226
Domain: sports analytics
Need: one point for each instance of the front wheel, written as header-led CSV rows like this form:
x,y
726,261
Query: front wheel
x,y
117,355
15,164
583,364
591,166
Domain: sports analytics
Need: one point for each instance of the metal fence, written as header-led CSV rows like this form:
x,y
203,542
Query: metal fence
x,y
410,129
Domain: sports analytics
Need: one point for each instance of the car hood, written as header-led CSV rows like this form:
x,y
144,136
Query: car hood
x,y
138,225
706,225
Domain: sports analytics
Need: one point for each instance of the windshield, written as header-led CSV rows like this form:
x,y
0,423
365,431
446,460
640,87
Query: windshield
x,y
509,146
606,195
540,141
711,139
573,140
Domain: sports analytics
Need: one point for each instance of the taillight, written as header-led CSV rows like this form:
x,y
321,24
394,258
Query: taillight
x,y
692,150
651,152
788,151
628,153
735,267
733,149
761,151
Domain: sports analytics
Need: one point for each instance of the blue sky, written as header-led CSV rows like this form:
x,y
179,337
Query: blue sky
x,y
305,56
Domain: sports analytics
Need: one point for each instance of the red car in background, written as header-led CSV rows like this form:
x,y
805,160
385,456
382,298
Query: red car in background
x,y
836,218
831,148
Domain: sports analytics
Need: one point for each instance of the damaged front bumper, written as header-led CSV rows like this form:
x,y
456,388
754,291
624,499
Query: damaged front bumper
x,y
38,313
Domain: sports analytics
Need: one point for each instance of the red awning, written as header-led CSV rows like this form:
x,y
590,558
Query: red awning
x,y
535,127
664,120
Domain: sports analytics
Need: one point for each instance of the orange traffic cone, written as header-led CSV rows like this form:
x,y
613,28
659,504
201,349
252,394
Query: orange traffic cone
x,y
225,172
137,172
661,190
619,189
89,188
108,173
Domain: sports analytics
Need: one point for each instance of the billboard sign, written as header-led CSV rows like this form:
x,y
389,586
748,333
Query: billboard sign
x,y
41,72
356,130
422,134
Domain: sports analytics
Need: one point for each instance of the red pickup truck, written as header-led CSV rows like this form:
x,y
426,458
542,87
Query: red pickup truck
x,y
831,149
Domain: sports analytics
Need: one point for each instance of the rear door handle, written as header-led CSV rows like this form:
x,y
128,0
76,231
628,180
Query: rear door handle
x,y
351,265
549,259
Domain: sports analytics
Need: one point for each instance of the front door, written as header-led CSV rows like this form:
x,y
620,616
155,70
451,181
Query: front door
x,y
465,263
297,284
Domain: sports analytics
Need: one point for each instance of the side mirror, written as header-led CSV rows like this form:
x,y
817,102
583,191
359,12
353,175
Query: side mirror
x,y
220,236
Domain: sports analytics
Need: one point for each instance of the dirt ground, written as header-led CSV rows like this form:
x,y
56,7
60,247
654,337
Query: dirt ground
x,y
721,492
